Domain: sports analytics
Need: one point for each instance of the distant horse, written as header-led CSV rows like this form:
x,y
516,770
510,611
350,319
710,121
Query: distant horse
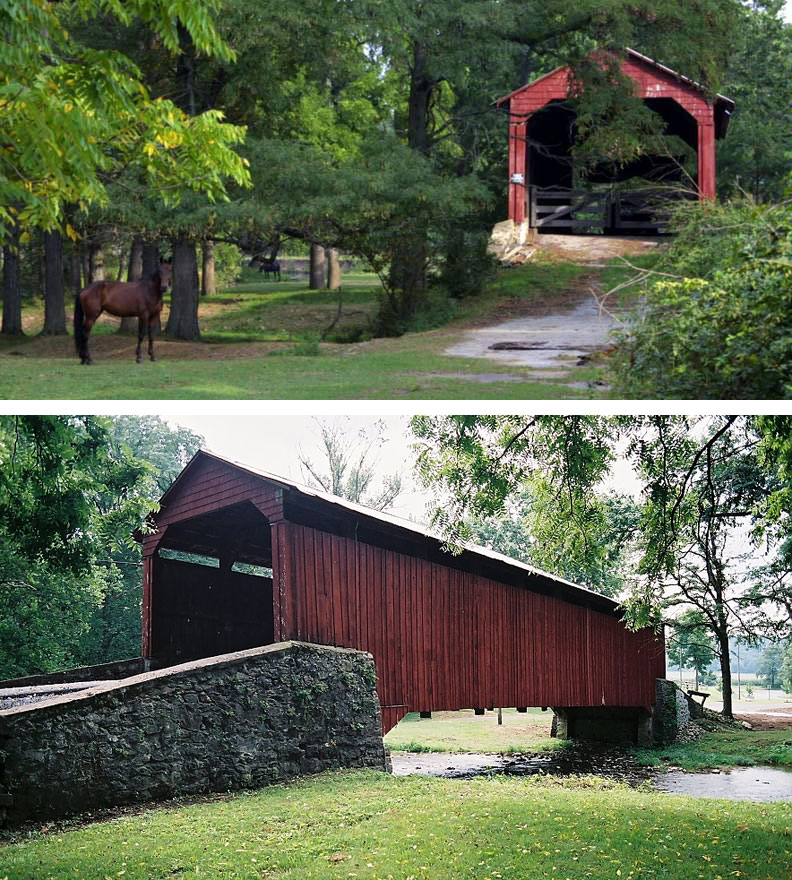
x,y
270,267
125,299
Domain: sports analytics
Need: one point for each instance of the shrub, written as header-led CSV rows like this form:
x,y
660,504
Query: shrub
x,y
718,324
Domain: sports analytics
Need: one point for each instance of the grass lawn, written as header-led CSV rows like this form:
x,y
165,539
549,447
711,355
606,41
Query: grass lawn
x,y
372,826
726,747
260,340
466,732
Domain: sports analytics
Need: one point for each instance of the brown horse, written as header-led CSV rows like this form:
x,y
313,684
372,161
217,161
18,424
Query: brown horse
x,y
125,299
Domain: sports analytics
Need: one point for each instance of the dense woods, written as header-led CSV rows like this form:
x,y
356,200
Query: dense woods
x,y
363,127
72,489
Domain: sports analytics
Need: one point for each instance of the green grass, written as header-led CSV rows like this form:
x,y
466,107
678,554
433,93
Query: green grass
x,y
372,826
726,747
261,341
617,272
466,732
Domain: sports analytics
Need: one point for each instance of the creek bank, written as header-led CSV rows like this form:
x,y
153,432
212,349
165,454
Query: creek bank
x,y
611,762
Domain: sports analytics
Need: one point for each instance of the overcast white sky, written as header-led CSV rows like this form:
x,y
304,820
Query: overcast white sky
x,y
272,444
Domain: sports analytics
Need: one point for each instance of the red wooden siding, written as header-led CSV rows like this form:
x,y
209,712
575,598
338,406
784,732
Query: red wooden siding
x,y
651,81
447,639
445,632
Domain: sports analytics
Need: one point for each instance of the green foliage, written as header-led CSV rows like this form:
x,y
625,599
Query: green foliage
x,y
229,262
72,489
692,644
786,668
755,155
367,206
589,549
770,664
719,327
74,121
478,462
65,497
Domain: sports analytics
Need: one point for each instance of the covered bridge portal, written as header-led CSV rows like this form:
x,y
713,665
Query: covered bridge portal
x,y
446,632
542,186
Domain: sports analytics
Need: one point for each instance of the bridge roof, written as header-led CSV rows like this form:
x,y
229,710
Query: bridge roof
x,y
396,524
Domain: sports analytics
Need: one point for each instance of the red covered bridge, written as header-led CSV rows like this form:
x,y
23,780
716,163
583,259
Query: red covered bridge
x,y
541,136
477,630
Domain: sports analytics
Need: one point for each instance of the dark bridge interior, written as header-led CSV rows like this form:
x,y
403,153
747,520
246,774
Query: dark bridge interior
x,y
214,586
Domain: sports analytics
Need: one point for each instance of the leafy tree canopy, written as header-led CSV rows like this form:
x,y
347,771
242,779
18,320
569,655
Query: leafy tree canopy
x,y
72,489
73,118
702,485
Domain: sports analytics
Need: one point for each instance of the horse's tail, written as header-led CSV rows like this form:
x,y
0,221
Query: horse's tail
x,y
79,327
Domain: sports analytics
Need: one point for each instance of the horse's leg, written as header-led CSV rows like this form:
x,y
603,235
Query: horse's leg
x,y
141,332
151,323
87,327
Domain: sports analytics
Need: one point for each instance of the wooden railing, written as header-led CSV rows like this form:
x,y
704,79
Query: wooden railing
x,y
608,211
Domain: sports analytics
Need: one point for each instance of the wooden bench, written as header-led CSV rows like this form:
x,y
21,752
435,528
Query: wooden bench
x,y
701,694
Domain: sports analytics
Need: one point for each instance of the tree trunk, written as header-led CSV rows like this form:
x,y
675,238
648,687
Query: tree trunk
x,y
96,266
12,290
725,667
408,267
207,268
185,72
129,326
75,265
149,259
183,318
333,269
316,277
54,304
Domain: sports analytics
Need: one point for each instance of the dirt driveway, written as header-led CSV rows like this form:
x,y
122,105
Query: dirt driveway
x,y
557,333
771,719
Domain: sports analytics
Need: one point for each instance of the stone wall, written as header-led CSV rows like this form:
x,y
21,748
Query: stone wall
x,y
235,721
603,724
672,709
103,672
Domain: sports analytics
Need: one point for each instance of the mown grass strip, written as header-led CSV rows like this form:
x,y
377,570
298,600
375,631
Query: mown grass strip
x,y
371,826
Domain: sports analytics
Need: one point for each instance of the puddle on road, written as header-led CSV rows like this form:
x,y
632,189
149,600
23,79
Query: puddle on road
x,y
743,783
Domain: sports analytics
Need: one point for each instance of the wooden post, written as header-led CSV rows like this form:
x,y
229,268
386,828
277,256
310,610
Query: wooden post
x,y
706,159
517,167
282,585
148,568
500,715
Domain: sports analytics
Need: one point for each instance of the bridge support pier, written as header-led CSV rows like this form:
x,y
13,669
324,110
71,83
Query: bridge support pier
x,y
603,723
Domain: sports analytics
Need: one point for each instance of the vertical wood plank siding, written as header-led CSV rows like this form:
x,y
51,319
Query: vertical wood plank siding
x,y
444,639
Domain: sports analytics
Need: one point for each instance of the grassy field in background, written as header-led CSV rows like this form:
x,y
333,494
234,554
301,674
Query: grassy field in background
x,y
262,340
466,732
372,826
